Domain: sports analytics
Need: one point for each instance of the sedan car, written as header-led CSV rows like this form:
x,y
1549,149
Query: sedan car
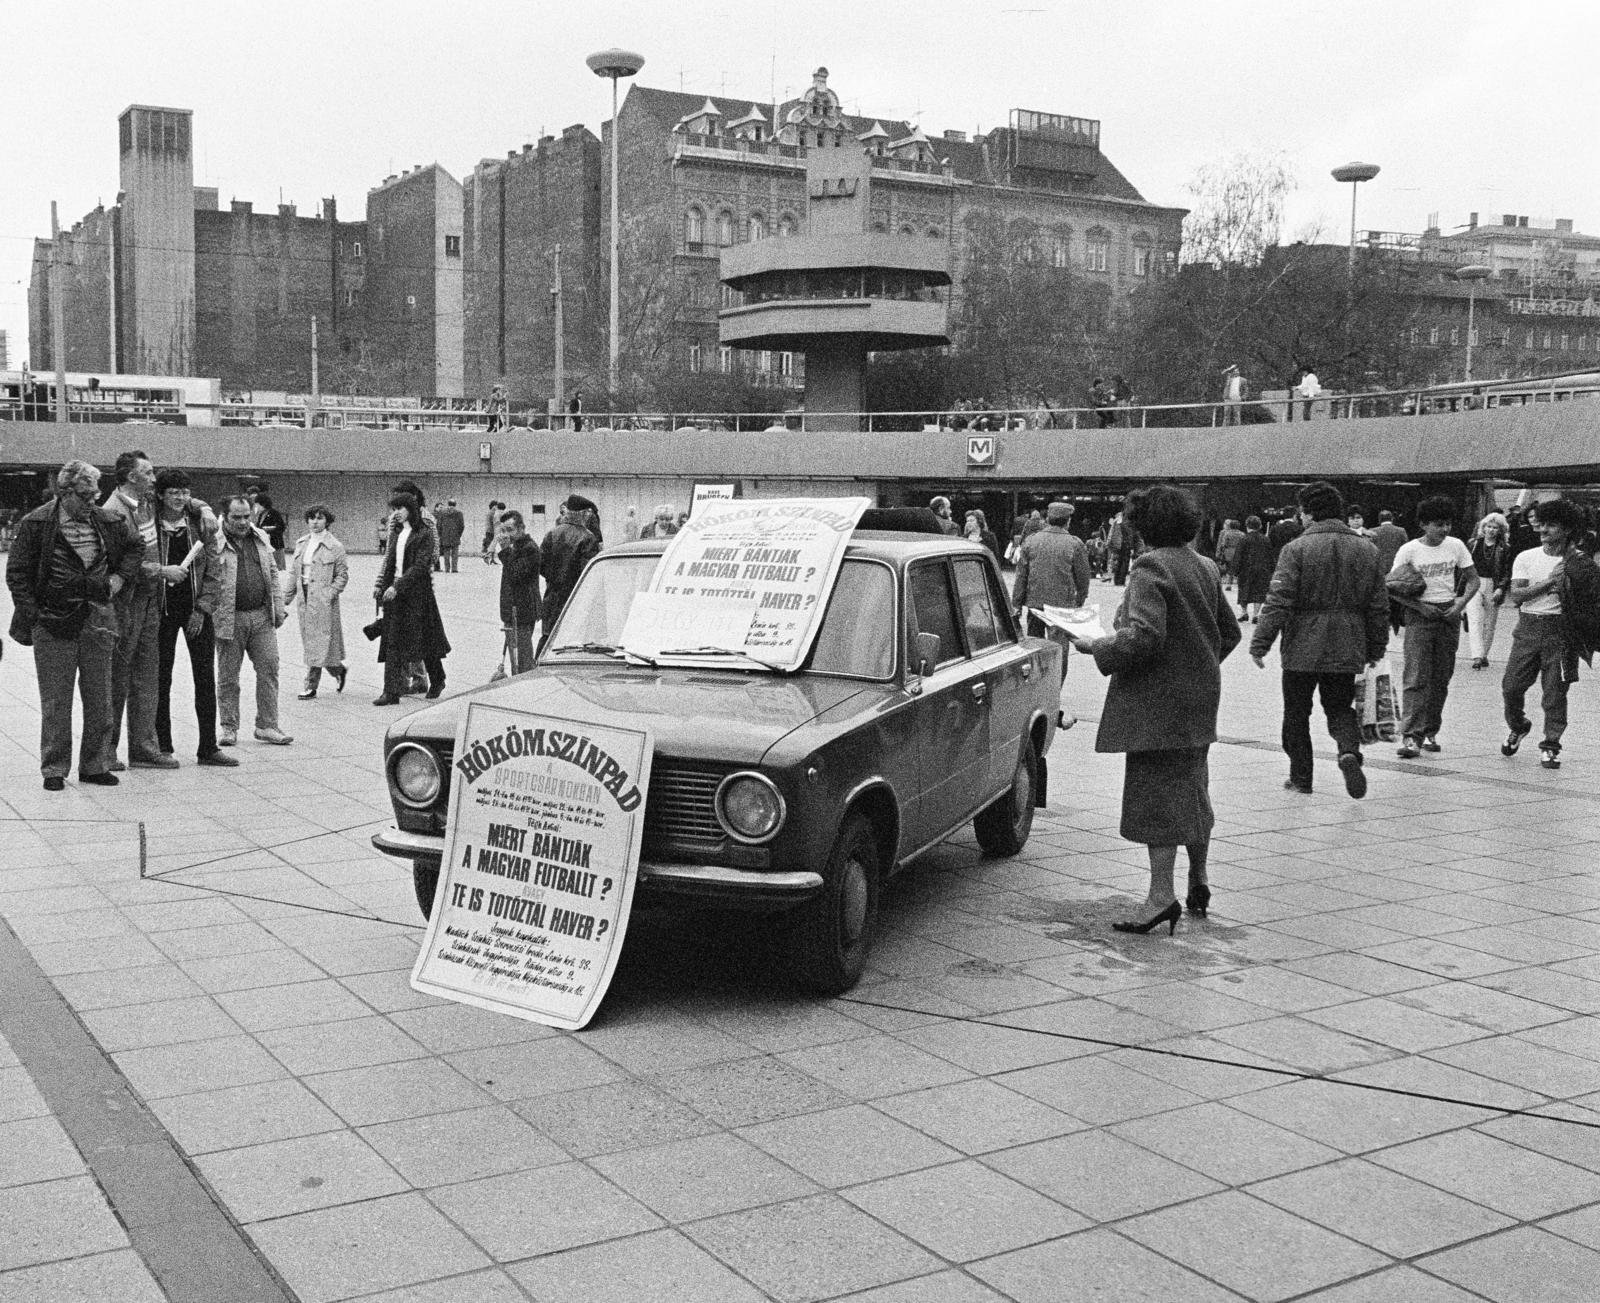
x,y
920,707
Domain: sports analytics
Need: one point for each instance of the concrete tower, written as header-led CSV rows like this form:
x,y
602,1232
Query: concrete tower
x,y
155,243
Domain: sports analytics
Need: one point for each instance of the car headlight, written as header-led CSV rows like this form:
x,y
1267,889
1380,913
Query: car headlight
x,y
414,770
749,807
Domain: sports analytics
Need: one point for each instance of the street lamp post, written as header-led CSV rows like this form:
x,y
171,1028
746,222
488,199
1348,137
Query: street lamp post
x,y
614,64
1355,174
1472,273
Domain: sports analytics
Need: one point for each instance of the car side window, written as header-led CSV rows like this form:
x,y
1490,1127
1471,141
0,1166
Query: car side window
x,y
933,608
977,606
1005,624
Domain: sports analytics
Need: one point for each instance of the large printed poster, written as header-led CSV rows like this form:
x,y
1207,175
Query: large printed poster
x,y
746,577
541,855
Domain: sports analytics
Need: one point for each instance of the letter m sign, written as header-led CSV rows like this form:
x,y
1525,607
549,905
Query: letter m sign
x,y
980,450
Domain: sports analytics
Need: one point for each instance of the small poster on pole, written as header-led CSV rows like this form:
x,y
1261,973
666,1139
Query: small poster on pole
x,y
759,569
540,859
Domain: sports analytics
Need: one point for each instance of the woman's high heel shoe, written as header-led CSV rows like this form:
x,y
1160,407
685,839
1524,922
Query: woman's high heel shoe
x,y
1169,916
1198,899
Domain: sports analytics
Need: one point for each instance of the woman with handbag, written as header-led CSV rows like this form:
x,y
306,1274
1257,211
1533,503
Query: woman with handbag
x,y
412,628
1164,659
1491,558
318,573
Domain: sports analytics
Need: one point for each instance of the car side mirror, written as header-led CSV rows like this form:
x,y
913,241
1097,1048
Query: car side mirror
x,y
927,651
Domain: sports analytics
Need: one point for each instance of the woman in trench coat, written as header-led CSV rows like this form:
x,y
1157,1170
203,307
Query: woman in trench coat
x,y
412,627
317,575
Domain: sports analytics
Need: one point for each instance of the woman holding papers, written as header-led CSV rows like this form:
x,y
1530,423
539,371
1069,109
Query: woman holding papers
x,y
1172,632
318,574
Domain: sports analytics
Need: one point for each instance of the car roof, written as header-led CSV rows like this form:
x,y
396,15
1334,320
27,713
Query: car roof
x,y
878,544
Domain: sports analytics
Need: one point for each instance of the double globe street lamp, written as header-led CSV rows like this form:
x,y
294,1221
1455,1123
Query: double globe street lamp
x,y
615,64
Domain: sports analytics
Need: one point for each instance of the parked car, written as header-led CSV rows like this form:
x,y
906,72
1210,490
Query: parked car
x,y
920,707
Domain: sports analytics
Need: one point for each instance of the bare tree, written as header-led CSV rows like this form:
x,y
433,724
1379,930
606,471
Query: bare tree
x,y
1238,209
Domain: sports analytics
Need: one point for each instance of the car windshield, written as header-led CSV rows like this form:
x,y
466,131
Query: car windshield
x,y
857,638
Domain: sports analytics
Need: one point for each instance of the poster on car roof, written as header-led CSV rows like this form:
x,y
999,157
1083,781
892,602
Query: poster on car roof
x,y
541,853
746,580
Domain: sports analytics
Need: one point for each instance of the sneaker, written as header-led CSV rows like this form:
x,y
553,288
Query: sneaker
x,y
98,780
1295,785
55,783
157,761
1355,777
1431,743
218,759
1409,749
1514,739
273,737
1550,757
227,737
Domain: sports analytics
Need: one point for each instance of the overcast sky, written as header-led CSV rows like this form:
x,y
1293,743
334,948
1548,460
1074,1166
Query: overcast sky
x,y
1467,105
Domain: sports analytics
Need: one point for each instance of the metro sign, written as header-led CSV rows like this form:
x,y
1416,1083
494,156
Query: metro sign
x,y
981,450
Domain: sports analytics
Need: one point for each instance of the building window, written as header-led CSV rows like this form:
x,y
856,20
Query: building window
x,y
1547,339
1472,337
694,228
355,249
1141,261
1505,337
724,228
349,298
1097,251
1563,343
786,364
786,224
1455,335
1061,249
1411,335
1433,334
1528,342
452,246
764,360
1583,342
758,227
695,362
724,359
934,233
339,244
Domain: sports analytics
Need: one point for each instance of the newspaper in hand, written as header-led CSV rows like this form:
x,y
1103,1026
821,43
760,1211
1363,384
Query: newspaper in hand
x,y
1079,621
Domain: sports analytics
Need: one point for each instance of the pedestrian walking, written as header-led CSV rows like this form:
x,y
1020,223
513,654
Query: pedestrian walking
x,y
1491,558
273,524
68,562
319,572
566,549
1255,570
413,629
519,589
136,666
1052,570
1549,637
248,614
1388,538
1329,602
1164,659
452,526
1432,621
188,539
1228,540
491,523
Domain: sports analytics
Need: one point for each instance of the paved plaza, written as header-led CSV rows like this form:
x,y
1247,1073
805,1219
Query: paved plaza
x,y
1372,1076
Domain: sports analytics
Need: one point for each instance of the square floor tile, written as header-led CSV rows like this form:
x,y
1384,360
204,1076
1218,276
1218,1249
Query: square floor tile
x,y
605,1119
574,1206
984,1048
702,1177
1495,1173
873,1067
657,1265
55,1219
1380,1208
1101,1175
1351,1119
844,1146
977,1116
964,1210
1097,1090
1264,1253
1396,1285
442,1148
292,1176
36,1149
120,1276
244,1115
1388,1021
387,1091
196,1066
1526,1265
1098,1264
474,1287
525,1068
293,1004
1224,1143
775,1248
742,1092
335,1046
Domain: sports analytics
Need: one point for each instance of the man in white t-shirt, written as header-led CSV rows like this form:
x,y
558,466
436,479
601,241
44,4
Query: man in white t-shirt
x,y
1433,622
1309,389
1540,649
1232,395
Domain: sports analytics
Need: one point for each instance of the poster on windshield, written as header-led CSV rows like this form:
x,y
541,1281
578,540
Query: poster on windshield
x,y
541,853
745,578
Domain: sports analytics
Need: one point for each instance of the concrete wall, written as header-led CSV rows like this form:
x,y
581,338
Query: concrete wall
x,y
155,293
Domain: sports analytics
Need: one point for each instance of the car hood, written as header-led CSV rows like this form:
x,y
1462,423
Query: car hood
x,y
696,714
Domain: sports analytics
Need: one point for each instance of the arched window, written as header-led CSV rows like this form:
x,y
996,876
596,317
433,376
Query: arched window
x,y
934,233
694,225
725,228
758,227
1141,253
880,228
908,229
1097,249
786,224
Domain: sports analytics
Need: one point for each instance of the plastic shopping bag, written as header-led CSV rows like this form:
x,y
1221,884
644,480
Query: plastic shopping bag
x,y
1379,708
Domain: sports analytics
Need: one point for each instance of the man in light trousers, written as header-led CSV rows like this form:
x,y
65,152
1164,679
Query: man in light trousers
x,y
248,612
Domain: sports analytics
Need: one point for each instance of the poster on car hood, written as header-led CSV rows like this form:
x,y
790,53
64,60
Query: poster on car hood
x,y
541,853
745,577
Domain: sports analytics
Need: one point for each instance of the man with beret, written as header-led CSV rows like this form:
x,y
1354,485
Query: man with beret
x,y
565,551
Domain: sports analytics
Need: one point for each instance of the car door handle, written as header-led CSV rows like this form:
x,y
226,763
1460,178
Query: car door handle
x,y
980,691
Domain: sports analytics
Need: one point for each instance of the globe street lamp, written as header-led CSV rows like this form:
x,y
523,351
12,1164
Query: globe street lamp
x,y
1355,174
1472,273
614,64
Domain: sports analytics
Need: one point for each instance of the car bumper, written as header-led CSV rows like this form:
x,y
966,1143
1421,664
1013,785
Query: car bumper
x,y
707,881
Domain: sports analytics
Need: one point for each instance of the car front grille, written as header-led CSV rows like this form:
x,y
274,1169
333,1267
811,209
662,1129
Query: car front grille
x,y
681,805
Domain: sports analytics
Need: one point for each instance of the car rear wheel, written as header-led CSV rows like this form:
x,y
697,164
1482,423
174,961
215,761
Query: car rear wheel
x,y
831,933
1003,827
425,878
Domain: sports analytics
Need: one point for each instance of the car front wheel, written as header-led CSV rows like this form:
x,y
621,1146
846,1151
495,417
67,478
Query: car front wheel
x,y
425,878
1003,827
831,933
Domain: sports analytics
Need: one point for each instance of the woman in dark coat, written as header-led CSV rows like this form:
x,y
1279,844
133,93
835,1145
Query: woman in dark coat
x,y
412,627
1254,563
1164,660
977,529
